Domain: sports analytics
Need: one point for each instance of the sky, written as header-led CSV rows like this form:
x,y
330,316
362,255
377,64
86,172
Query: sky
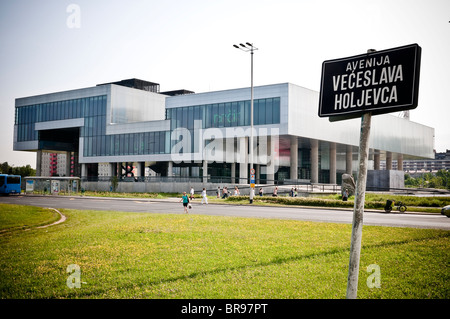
x,y
57,45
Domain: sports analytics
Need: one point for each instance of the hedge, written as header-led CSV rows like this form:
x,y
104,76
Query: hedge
x,y
306,201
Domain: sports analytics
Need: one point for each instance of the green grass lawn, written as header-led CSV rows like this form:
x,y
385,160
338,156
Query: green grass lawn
x,y
142,255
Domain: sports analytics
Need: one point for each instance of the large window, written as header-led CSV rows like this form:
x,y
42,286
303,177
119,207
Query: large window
x,y
265,111
96,142
89,108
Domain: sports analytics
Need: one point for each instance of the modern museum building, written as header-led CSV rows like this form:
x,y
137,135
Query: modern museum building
x,y
131,129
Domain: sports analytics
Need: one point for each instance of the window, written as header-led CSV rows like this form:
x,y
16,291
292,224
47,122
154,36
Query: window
x,y
208,116
67,107
184,117
221,115
156,147
151,139
276,110
197,113
117,144
162,140
173,118
228,116
269,111
121,144
234,114
190,124
94,146
215,115
262,112
247,113
167,144
179,117
141,143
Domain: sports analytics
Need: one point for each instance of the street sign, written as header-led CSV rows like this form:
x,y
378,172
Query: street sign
x,y
252,179
377,82
374,83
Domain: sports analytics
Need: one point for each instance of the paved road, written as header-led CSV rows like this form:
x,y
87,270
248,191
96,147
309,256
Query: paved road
x,y
172,206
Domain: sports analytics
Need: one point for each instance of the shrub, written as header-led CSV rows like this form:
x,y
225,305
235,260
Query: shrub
x,y
372,201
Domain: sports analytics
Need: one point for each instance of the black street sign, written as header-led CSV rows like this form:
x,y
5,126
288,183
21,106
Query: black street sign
x,y
378,82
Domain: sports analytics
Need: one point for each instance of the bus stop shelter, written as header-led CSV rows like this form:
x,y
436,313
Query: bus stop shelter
x,y
52,185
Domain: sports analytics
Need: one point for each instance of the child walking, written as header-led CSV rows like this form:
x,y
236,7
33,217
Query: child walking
x,y
185,200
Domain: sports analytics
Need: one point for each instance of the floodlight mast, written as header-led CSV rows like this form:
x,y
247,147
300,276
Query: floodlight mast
x,y
248,47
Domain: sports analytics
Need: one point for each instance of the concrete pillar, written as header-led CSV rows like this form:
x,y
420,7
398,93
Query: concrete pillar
x,y
83,170
314,161
388,160
233,173
170,168
400,162
140,169
39,163
349,160
257,173
243,160
294,158
332,163
205,171
112,167
270,167
376,160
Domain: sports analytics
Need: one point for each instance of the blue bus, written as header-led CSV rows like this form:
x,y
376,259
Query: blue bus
x,y
10,184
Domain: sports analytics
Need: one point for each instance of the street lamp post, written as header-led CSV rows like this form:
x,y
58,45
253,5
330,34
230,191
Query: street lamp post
x,y
248,47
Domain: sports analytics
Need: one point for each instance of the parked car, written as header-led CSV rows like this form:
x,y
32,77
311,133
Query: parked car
x,y
446,211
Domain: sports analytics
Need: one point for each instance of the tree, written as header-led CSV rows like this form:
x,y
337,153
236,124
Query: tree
x,y
445,178
429,180
19,170
4,168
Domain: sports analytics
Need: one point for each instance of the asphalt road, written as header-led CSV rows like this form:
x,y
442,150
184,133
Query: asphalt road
x,y
172,206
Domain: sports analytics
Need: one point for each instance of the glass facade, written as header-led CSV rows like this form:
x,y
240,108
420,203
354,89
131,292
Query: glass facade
x,y
92,109
219,115
230,114
98,143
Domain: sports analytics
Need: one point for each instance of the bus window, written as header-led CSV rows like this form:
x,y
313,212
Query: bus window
x,y
13,180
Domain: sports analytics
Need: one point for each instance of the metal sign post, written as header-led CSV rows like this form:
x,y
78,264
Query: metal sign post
x,y
252,184
358,209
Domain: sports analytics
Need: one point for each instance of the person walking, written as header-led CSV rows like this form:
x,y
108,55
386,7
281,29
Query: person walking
x,y
185,199
345,195
204,198
236,191
192,193
224,192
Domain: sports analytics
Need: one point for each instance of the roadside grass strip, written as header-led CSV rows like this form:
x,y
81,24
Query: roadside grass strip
x,y
108,254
